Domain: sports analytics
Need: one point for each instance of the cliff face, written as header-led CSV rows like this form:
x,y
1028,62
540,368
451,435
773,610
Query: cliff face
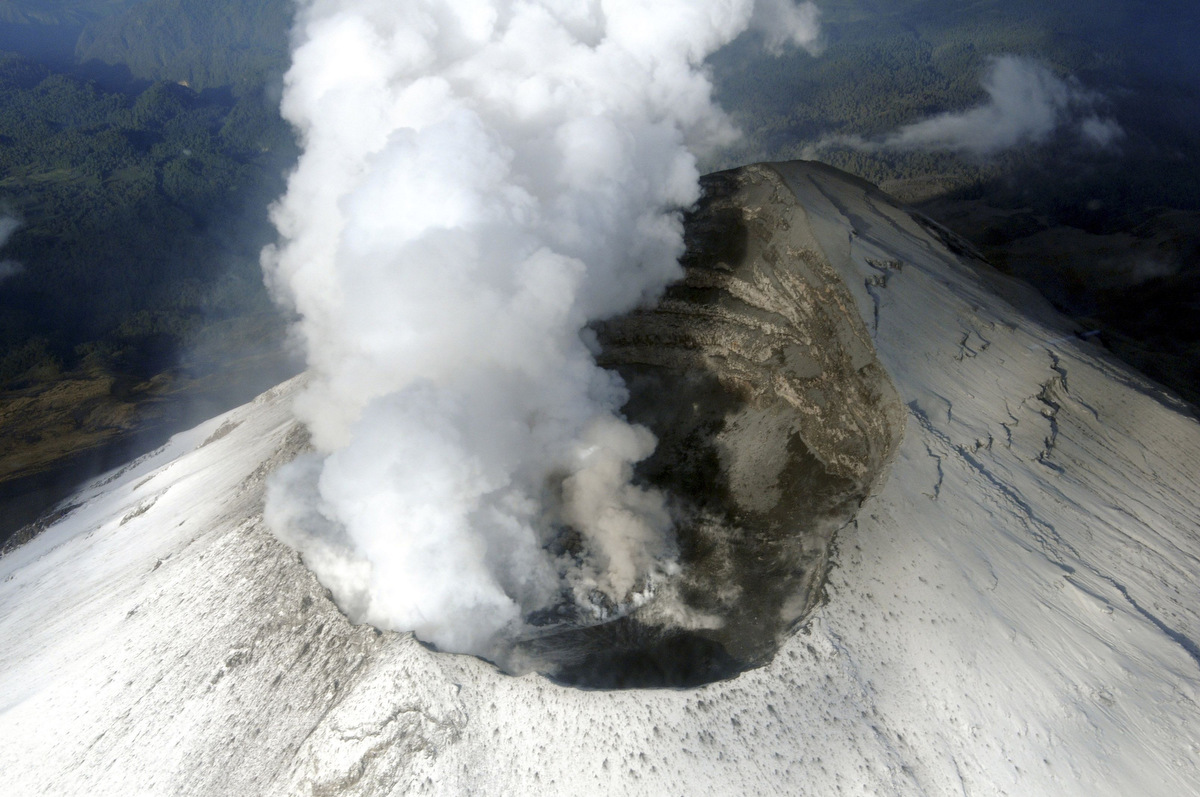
x,y
775,420
1012,609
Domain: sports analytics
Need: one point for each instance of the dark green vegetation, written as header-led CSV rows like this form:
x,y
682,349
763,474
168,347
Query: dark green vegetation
x,y
208,44
239,44
1133,206
60,12
140,170
141,215
49,29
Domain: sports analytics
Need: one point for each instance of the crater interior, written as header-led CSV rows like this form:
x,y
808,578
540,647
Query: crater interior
x,y
774,420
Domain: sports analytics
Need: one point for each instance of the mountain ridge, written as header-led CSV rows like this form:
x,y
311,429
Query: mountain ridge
x,y
1013,610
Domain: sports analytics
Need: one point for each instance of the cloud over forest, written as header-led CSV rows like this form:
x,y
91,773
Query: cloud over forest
x,y
1026,104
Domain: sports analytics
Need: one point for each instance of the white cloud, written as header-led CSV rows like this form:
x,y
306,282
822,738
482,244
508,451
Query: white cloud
x,y
8,268
1101,132
1027,104
785,24
8,225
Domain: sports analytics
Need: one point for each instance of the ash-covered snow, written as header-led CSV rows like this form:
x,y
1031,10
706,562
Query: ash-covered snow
x,y
1015,611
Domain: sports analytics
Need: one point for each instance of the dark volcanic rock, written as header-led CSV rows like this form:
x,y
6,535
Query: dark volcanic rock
x,y
774,421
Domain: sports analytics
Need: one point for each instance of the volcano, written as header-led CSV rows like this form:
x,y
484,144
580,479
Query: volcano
x,y
935,541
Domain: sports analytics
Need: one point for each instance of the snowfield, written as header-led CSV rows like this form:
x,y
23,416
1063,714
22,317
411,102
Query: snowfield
x,y
1015,611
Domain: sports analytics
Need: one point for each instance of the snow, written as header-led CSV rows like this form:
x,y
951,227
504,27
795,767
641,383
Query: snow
x,y
1014,612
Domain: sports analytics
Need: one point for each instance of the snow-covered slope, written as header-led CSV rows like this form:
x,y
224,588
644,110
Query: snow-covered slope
x,y
1015,611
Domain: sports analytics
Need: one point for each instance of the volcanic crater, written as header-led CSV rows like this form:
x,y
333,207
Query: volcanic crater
x,y
774,419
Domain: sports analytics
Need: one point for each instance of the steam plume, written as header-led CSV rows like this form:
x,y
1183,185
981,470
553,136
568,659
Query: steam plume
x,y
481,179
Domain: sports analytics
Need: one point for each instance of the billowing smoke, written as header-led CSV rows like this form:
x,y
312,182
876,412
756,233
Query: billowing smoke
x,y
1027,104
481,179
8,268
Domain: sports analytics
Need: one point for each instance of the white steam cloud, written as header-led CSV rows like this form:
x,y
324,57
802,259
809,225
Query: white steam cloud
x,y
784,24
481,179
8,268
1027,104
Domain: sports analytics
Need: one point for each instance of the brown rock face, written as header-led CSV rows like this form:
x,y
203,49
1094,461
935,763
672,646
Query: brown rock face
x,y
774,421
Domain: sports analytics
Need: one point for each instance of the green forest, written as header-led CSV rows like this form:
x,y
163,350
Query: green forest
x,y
140,148
141,216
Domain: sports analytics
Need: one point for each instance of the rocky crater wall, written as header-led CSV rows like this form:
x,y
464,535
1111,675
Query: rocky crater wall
x,y
775,420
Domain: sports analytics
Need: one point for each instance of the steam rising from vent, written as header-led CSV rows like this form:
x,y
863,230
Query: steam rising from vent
x,y
480,181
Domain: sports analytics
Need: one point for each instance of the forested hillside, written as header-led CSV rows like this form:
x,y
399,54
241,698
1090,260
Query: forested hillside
x,y
133,214
206,44
60,12
131,298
